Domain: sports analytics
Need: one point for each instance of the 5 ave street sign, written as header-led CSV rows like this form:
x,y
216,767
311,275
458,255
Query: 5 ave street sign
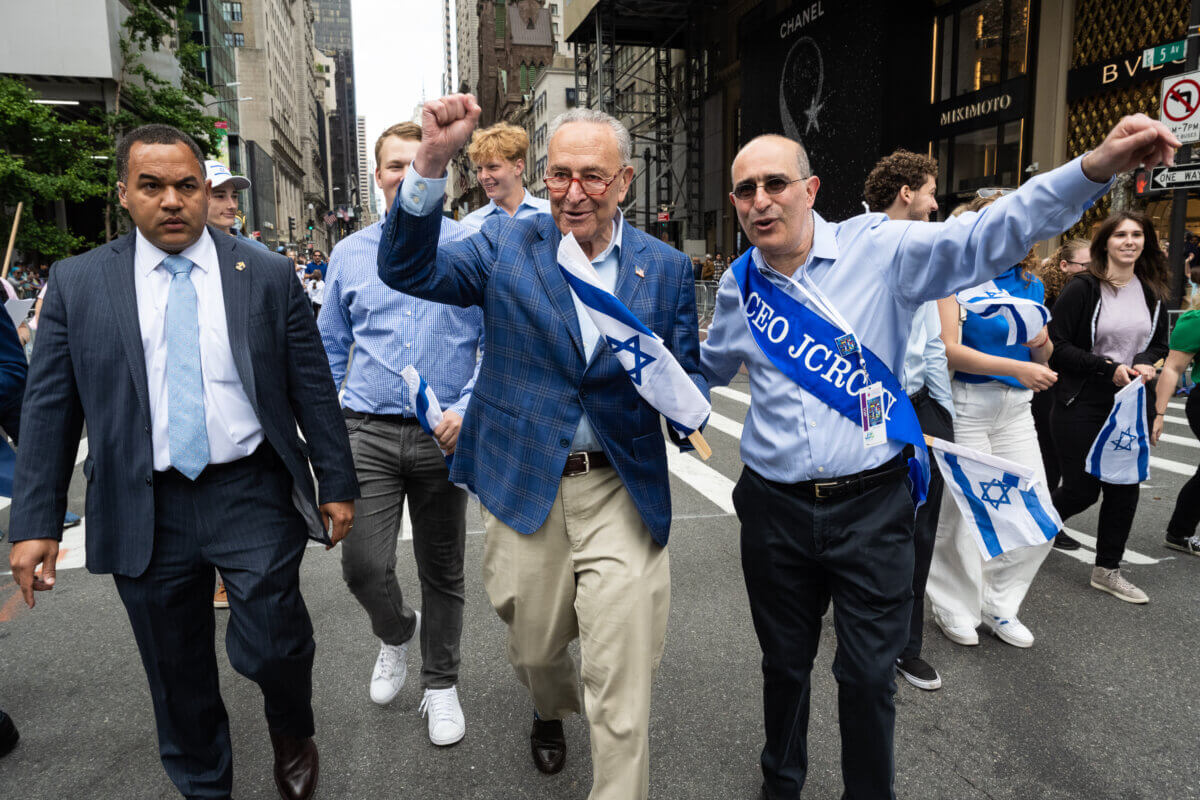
x,y
1173,51
1180,176
1179,108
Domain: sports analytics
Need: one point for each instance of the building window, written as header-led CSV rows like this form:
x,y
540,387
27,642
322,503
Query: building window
x,y
235,39
981,45
232,11
501,18
554,10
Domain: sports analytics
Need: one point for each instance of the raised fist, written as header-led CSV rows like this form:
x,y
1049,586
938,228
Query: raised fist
x,y
446,125
1136,140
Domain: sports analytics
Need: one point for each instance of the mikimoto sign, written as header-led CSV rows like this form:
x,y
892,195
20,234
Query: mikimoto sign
x,y
1179,108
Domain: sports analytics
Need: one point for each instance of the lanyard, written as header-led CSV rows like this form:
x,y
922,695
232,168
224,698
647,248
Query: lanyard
x,y
814,295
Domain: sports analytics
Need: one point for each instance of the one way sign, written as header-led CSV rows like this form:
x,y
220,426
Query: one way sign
x,y
1180,176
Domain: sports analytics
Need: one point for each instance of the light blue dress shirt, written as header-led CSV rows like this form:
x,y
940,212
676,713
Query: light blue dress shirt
x,y
877,272
528,206
925,357
390,330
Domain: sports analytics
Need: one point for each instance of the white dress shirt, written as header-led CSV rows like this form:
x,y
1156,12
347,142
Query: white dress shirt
x,y
233,429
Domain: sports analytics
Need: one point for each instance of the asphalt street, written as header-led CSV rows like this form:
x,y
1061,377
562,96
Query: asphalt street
x,y
1104,706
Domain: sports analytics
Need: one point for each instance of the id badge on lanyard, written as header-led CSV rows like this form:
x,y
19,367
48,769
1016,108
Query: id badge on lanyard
x,y
872,412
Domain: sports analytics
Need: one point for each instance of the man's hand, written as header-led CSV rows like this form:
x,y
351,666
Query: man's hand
x,y
446,432
446,124
24,559
341,516
1156,429
1136,140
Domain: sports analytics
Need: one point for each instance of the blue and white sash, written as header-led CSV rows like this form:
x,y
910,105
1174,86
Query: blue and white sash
x,y
790,335
656,375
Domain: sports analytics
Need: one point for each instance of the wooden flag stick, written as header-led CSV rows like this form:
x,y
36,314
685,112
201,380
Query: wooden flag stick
x,y
697,440
928,440
12,238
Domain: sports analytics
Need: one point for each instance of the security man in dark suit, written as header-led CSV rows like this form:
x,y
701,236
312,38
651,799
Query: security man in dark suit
x,y
192,358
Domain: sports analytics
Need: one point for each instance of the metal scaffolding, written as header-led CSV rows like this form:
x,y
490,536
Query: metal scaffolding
x,y
643,62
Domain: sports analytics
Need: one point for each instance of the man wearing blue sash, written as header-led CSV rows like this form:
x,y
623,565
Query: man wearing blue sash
x,y
819,313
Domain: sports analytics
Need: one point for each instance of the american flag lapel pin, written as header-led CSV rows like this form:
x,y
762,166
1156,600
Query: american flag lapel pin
x,y
641,273
239,266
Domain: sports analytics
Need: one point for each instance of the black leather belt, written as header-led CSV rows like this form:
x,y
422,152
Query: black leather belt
x,y
584,462
849,485
919,396
396,419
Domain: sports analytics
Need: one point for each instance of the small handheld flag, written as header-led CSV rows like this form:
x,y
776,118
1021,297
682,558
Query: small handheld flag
x,y
655,373
1025,317
429,410
1001,501
1121,452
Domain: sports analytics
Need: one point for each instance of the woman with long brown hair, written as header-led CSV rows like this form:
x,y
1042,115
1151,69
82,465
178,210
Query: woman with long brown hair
x,y
1109,327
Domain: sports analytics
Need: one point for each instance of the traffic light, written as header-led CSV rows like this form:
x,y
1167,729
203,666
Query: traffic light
x,y
310,226
291,228
1141,182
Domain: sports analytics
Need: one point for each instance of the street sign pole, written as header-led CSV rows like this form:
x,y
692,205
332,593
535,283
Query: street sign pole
x,y
1179,198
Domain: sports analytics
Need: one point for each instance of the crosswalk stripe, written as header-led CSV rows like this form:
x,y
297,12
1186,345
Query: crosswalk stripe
x,y
1176,403
732,394
1186,441
1132,556
732,427
710,484
1173,466
1176,420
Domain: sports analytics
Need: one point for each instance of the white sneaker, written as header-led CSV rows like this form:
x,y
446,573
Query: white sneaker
x,y
446,723
959,634
1008,629
391,668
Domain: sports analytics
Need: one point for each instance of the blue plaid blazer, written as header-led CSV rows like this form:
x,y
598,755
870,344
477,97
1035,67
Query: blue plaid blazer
x,y
535,379
89,366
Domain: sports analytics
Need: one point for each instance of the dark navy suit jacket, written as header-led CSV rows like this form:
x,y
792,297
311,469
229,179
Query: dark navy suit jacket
x,y
535,377
88,365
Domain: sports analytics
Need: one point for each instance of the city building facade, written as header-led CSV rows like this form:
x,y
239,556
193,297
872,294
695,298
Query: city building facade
x,y
334,36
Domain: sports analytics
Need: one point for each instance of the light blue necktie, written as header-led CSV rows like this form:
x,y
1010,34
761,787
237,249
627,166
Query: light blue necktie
x,y
185,386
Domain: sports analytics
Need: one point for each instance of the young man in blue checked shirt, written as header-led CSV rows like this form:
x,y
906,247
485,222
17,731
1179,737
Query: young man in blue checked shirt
x,y
817,312
394,458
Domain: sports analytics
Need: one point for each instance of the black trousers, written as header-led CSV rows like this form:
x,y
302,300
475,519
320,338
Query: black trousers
x,y
935,421
1187,507
1041,406
1075,428
238,518
797,554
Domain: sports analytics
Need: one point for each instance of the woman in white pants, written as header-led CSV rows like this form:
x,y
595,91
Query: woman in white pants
x,y
992,389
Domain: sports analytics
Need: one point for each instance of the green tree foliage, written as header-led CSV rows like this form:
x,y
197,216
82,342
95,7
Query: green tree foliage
x,y
43,159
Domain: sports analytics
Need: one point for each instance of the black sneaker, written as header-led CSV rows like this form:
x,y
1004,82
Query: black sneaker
x,y
1189,544
8,734
917,671
1064,542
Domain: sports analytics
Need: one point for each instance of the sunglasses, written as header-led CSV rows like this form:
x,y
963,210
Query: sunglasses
x,y
993,192
773,186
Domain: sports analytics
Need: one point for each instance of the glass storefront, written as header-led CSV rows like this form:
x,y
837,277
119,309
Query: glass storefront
x,y
979,95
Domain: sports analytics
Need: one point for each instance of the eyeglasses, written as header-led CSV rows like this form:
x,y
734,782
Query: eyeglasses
x,y
1076,263
592,186
773,186
993,192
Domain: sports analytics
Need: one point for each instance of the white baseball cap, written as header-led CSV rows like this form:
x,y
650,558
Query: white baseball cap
x,y
219,174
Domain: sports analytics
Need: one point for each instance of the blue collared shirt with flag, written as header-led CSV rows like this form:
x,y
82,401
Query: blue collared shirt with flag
x,y
390,330
876,272
528,206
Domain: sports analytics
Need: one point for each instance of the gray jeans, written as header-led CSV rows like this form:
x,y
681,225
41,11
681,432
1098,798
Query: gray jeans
x,y
395,461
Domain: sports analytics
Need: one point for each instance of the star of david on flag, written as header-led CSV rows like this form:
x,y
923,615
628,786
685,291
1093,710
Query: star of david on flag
x,y
1025,317
1121,451
654,372
1002,502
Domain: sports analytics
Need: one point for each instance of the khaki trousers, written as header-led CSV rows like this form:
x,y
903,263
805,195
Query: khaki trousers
x,y
591,571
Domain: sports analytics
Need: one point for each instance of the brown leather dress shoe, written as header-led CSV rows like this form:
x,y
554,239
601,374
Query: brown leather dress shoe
x,y
548,745
296,766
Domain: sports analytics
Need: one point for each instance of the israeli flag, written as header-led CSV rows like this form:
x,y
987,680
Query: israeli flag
x,y
1025,317
1002,501
1121,452
655,373
429,410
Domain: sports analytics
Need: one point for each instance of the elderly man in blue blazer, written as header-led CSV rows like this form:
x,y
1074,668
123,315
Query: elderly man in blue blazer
x,y
567,459
192,358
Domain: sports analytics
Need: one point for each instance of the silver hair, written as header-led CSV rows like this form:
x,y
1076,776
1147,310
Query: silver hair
x,y
596,116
